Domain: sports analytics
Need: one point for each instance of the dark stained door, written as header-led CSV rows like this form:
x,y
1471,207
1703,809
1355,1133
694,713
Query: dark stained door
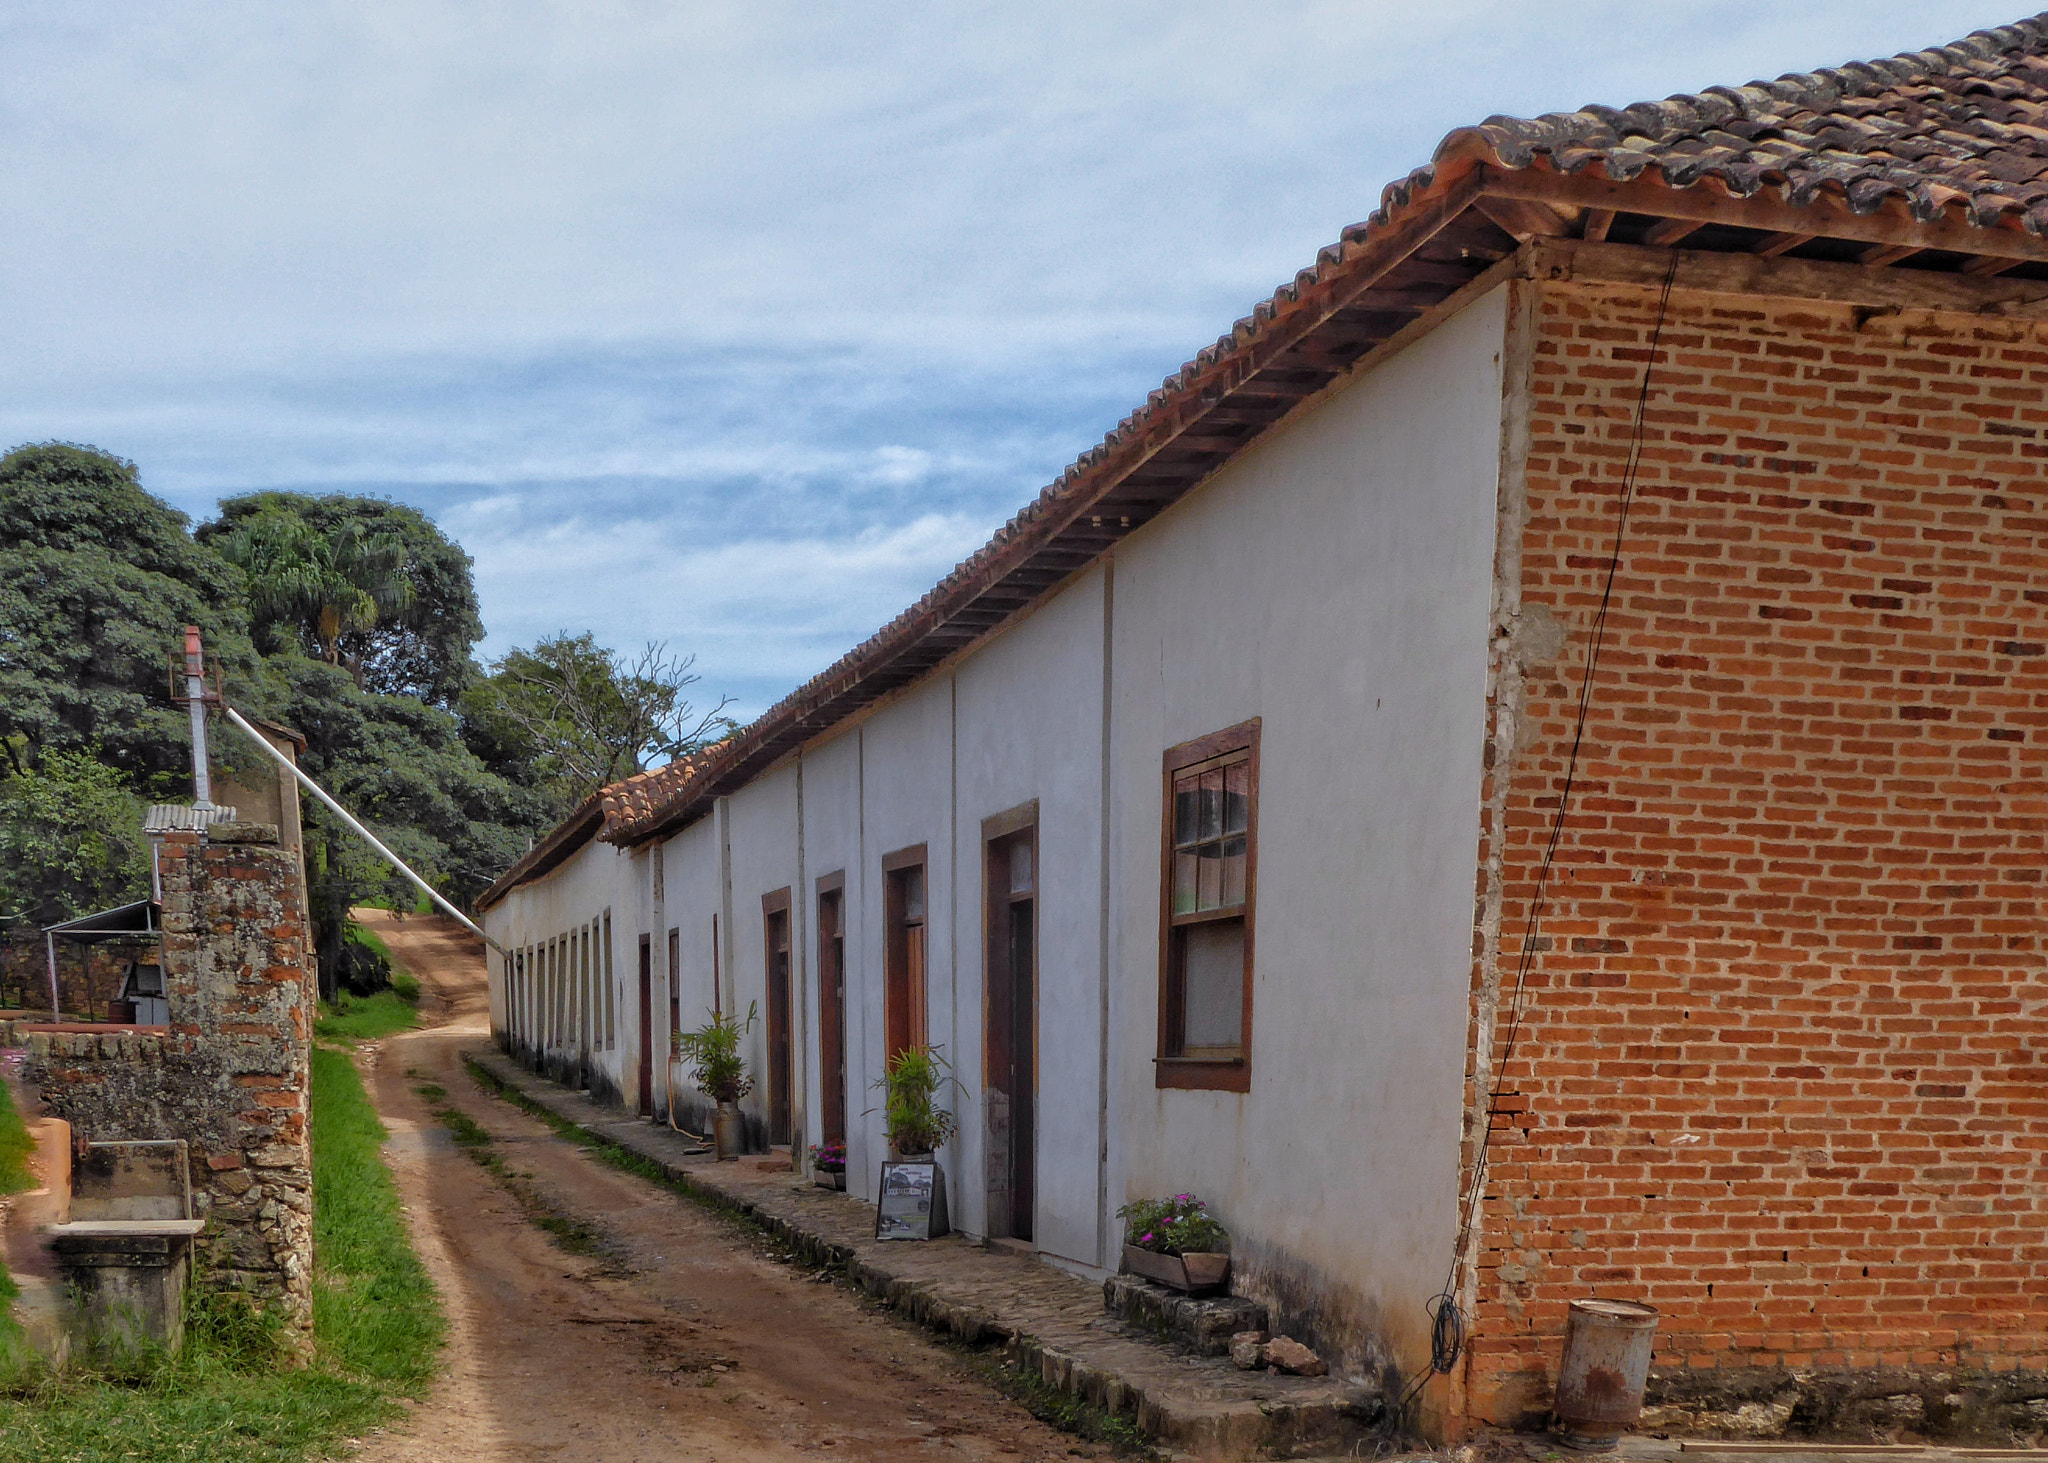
x,y
832,1014
646,1026
775,924
1012,1039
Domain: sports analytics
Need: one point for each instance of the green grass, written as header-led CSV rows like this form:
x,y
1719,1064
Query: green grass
x,y
367,1018
224,1399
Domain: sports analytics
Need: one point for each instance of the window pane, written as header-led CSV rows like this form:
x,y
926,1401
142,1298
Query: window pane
x,y
1209,891
913,893
1212,983
1237,800
1184,883
1233,869
1185,797
1212,803
1020,866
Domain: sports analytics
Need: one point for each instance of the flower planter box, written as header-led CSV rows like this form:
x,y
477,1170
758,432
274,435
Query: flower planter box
x,y
1197,1274
829,1180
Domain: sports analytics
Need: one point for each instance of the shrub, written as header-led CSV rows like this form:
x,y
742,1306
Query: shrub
x,y
713,1053
910,1083
1177,1226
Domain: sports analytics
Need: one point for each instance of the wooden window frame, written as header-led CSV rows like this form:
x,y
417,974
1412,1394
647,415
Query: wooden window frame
x,y
1171,1070
895,953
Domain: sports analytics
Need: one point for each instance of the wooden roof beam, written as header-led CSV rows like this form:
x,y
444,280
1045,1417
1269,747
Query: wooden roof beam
x,y
1770,246
1670,231
1598,222
1525,217
1764,211
1887,254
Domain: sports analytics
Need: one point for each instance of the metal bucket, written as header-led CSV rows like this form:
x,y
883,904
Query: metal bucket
x,y
1600,1377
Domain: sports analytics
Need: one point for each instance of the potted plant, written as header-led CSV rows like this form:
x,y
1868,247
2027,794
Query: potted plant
x,y
720,1073
1175,1242
918,1126
828,1164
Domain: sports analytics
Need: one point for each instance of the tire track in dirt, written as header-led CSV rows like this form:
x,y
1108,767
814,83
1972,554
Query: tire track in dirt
x,y
679,1338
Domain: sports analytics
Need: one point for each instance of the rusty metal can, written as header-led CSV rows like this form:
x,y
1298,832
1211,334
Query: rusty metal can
x,y
1601,1375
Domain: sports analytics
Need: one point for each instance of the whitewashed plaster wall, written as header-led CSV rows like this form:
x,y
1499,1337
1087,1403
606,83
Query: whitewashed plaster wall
x,y
1029,712
831,789
1334,582
765,857
596,879
693,892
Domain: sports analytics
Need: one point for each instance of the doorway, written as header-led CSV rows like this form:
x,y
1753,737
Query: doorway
x,y
775,932
646,1026
832,1007
903,951
1010,909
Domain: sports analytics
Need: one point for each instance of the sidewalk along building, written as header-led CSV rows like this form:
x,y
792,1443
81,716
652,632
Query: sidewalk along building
x,y
1519,772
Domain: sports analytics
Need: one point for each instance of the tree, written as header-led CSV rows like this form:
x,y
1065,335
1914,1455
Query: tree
x,y
418,643
97,581
400,766
570,716
323,585
71,841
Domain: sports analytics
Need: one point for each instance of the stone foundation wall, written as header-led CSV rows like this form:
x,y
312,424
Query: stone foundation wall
x,y
232,1074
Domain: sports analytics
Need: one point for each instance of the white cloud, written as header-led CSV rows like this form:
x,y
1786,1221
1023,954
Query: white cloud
x,y
756,282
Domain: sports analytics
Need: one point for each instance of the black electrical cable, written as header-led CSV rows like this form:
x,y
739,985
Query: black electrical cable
x,y
1446,1317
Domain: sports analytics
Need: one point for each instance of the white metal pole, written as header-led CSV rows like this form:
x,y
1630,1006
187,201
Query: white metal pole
x,y
195,697
365,834
50,949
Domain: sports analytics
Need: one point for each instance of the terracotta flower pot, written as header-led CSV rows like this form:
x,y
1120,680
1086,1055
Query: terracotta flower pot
x,y
1196,1273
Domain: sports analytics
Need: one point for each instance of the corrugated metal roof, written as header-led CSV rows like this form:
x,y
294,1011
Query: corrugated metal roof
x,y
180,817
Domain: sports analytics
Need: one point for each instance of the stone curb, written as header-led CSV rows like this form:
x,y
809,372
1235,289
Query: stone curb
x,y
1199,1403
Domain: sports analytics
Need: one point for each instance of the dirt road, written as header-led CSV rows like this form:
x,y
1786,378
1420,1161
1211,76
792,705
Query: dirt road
x,y
676,1339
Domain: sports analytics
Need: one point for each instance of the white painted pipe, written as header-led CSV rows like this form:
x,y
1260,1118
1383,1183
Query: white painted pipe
x,y
358,829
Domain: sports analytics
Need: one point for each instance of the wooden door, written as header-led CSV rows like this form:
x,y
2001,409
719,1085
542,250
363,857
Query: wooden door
x,y
775,932
647,1026
1011,1042
903,913
832,1008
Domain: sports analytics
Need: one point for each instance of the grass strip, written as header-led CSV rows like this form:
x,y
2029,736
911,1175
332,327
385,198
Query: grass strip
x,y
367,1018
226,1397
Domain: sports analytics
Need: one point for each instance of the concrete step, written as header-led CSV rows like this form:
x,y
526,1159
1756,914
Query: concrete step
x,y
1048,1323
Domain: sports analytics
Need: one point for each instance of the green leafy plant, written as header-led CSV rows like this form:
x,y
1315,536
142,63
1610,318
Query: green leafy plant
x,y
910,1085
1177,1226
713,1054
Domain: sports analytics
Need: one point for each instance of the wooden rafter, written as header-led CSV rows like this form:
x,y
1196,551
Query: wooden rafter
x,y
1525,218
1770,246
1598,222
1671,230
1764,211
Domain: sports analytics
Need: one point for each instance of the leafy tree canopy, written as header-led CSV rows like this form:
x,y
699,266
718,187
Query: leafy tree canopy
x,y
569,715
71,840
97,581
356,581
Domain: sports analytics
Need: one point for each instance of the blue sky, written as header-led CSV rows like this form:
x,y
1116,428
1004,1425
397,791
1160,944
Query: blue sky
x,y
731,325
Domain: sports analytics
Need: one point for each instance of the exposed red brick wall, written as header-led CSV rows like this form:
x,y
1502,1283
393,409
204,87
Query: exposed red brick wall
x,y
1784,1071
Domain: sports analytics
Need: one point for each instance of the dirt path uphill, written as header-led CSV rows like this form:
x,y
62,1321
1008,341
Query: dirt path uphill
x,y
651,1330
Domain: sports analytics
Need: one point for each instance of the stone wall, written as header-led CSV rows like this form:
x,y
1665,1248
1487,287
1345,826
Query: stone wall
x,y
88,976
1780,1072
232,1073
